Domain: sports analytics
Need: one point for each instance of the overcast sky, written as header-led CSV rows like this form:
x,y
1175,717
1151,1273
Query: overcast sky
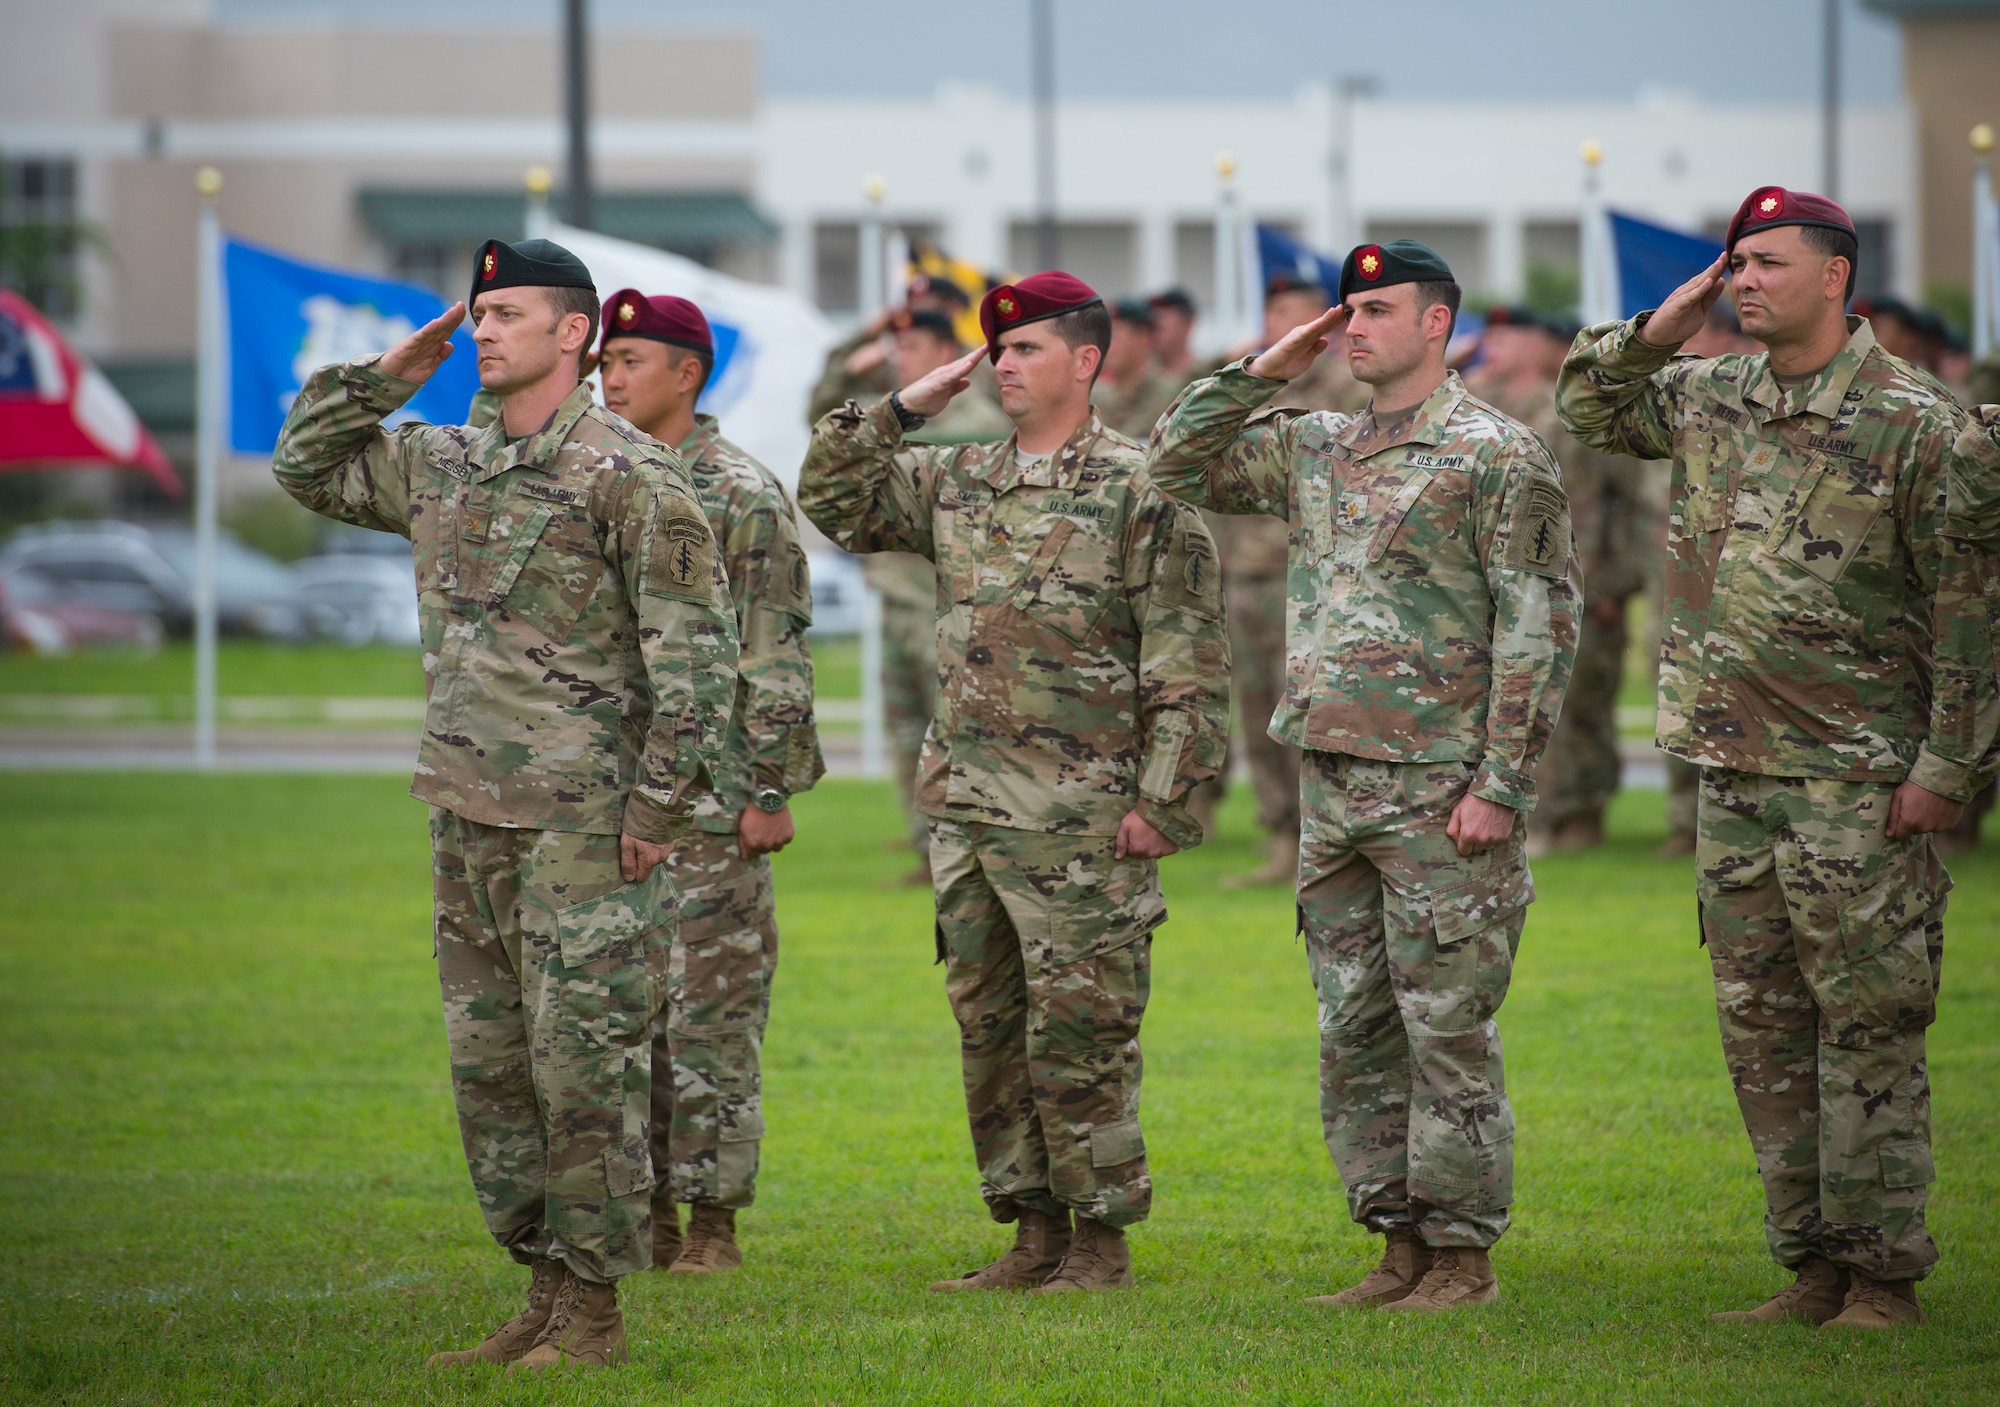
x,y
1550,50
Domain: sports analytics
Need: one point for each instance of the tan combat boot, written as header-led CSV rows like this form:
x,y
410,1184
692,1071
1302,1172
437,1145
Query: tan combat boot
x,y
585,1329
1877,1304
666,1233
1459,1275
1281,868
1040,1243
1098,1259
711,1242
1815,1297
1405,1261
514,1338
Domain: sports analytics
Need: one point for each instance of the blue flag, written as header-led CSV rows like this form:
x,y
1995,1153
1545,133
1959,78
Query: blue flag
x,y
287,318
1653,261
1278,253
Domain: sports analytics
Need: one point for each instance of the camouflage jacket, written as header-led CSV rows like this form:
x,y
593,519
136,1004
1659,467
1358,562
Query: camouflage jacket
x,y
837,385
1816,621
1431,616
1603,491
1082,662
773,739
579,649
1132,410
971,417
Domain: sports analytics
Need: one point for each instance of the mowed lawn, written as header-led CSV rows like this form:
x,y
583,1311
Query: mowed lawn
x,y
232,1172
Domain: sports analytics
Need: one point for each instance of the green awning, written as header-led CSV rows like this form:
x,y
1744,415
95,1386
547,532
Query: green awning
x,y
687,222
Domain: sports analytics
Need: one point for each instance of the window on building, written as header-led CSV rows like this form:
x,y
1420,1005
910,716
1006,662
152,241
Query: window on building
x,y
444,269
1194,260
40,234
1462,246
1552,257
837,267
1104,255
1873,251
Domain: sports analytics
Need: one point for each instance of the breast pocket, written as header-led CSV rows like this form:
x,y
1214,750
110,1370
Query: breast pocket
x,y
1833,523
1069,582
1396,511
555,568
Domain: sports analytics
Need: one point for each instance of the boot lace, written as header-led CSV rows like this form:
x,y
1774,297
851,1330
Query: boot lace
x,y
569,1301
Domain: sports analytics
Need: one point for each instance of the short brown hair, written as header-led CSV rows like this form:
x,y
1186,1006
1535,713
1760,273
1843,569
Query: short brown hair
x,y
1431,292
1089,325
1834,244
576,300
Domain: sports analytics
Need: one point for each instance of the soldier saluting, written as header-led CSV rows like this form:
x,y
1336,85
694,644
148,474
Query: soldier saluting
x,y
1082,687
580,660
1825,662
1429,635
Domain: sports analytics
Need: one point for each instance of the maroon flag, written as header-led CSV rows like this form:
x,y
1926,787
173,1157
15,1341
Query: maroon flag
x,y
56,408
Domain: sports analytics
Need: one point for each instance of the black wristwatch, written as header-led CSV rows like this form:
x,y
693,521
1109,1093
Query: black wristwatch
x,y
771,801
905,417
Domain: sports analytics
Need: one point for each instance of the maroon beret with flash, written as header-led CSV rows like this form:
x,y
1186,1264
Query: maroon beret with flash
x,y
630,313
1770,206
1038,296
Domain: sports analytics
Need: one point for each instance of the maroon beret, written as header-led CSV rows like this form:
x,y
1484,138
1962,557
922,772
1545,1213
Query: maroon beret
x,y
1770,206
630,313
1038,296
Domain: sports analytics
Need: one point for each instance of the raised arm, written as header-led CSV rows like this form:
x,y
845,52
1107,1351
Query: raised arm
x,y
1617,391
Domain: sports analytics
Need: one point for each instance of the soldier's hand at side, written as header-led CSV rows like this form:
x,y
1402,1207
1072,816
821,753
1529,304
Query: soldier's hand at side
x,y
637,857
1140,839
1915,810
1686,308
931,393
1298,349
423,351
761,832
1478,824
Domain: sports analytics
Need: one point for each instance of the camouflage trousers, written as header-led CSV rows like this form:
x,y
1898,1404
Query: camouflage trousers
x,y
909,697
1578,773
1826,939
1683,791
1257,644
1047,946
1412,947
548,963
708,1035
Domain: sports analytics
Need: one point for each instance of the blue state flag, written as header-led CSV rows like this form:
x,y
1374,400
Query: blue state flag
x,y
288,318
1278,253
1653,261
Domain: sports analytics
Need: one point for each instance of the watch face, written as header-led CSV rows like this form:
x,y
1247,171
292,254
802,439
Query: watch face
x,y
770,801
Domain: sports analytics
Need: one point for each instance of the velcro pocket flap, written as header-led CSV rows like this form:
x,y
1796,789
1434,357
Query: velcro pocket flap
x,y
1907,1163
524,539
1163,755
1398,509
1463,909
595,927
1114,1145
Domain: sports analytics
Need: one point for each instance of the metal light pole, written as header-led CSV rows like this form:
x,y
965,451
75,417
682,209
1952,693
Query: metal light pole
x,y
207,455
874,288
1228,263
1985,248
1597,292
1346,229
576,93
1829,118
1043,46
535,218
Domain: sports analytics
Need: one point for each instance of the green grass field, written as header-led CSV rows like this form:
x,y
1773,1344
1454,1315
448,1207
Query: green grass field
x,y
233,1174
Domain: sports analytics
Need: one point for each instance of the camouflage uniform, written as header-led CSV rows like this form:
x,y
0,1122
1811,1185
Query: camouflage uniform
x,y
1430,629
579,659
1823,643
907,585
1132,410
837,385
1579,772
1082,675
708,1037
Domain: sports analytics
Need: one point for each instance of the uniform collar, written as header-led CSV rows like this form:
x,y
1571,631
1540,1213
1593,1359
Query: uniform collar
x,y
700,440
1427,427
1063,468
539,450
1826,392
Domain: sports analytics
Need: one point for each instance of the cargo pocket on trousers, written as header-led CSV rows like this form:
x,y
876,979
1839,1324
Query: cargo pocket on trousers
x,y
606,988
1906,1163
736,1148
1891,986
1116,1144
628,1163
1468,975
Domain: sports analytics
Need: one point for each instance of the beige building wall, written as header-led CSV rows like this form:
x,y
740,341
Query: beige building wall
x,y
1951,74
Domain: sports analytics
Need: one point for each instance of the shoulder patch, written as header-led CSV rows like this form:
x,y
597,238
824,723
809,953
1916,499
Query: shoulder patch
x,y
1190,579
680,560
1538,532
791,579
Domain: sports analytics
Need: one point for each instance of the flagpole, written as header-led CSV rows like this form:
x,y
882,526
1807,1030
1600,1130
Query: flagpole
x,y
1227,255
207,455
1596,294
535,220
873,297
1985,248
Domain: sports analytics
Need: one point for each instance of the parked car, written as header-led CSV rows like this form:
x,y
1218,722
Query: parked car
x,y
34,615
837,589
124,567
361,598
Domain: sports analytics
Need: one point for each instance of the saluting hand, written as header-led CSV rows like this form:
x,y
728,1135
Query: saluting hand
x,y
931,393
423,351
1298,349
1686,308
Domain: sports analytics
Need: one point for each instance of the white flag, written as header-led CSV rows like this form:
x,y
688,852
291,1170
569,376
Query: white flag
x,y
770,344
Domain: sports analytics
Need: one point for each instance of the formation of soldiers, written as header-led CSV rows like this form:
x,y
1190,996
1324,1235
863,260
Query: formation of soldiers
x,y
1074,527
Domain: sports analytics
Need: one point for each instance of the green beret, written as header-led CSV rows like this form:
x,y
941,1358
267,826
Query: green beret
x,y
533,263
1398,261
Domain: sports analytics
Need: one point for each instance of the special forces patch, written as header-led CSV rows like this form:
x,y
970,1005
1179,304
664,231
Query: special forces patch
x,y
1538,535
791,582
681,560
1190,580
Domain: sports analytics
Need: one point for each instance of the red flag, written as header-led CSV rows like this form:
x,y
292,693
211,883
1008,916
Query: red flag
x,y
56,408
